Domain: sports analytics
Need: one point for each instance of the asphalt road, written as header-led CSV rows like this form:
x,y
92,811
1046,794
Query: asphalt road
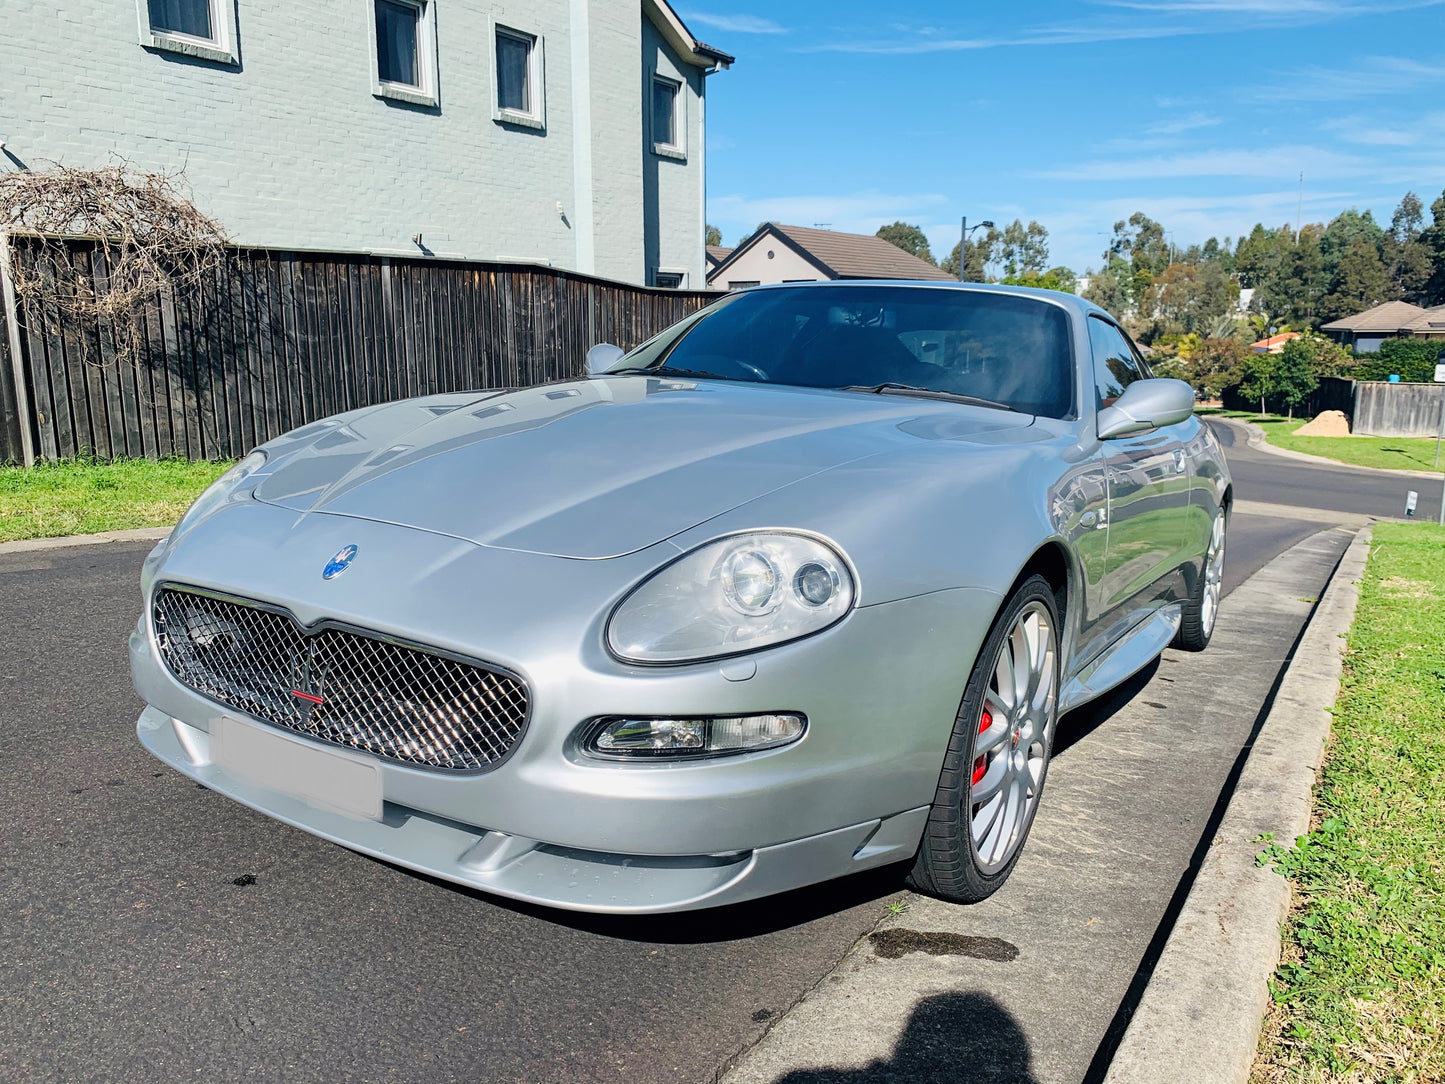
x,y
151,930
1275,479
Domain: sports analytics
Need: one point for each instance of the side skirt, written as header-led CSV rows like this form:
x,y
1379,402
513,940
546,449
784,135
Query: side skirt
x,y
1125,658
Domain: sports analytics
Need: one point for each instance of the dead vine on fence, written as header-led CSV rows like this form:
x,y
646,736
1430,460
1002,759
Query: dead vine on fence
x,y
149,240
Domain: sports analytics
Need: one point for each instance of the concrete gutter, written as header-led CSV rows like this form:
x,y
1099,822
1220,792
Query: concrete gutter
x,y
1257,440
1200,1016
142,534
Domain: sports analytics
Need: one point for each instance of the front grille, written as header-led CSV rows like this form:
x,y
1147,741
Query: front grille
x,y
339,685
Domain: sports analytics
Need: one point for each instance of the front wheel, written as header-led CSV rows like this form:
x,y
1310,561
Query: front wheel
x,y
998,754
1202,607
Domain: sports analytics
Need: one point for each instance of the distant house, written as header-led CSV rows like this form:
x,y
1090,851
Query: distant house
x,y
1275,343
797,254
1365,331
716,254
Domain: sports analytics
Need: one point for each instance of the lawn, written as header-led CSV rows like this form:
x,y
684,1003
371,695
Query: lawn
x,y
81,496
1360,995
1396,453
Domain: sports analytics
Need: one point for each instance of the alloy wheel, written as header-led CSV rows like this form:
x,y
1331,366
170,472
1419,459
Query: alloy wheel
x,y
1213,576
1015,732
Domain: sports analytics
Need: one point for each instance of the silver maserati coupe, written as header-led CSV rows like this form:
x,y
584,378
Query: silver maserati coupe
x,y
797,588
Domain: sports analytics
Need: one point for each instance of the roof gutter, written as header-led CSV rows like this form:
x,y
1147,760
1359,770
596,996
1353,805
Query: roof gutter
x,y
677,35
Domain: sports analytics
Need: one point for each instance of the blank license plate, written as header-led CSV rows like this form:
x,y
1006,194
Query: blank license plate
x,y
319,777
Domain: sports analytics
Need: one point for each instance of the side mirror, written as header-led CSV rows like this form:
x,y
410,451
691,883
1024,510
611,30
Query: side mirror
x,y
602,357
1146,404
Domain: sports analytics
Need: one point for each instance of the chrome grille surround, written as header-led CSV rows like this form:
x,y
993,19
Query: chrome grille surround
x,y
334,683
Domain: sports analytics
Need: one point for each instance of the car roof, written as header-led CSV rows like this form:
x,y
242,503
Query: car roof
x,y
1068,301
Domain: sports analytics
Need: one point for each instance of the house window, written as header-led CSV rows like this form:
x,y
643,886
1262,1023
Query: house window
x,y
668,280
397,26
200,28
519,77
667,120
403,43
742,284
189,17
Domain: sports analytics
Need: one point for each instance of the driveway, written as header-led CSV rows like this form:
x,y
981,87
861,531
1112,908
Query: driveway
x,y
155,931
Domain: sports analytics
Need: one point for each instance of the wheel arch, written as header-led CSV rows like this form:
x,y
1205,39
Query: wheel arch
x,y
1053,561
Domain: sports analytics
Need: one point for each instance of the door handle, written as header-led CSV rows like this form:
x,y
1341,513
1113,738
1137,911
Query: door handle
x,y
1178,461
1092,518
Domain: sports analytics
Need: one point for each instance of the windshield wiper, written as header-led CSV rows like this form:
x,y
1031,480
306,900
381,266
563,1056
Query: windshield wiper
x,y
892,388
666,370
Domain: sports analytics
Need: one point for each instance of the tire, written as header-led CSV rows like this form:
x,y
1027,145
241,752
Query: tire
x,y
1202,606
967,852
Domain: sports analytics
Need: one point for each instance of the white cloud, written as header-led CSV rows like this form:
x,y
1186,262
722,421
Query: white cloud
x,y
1302,9
1277,162
736,24
1370,132
1373,75
930,40
1184,124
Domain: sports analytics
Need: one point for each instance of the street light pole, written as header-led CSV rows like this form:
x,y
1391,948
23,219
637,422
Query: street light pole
x,y
964,231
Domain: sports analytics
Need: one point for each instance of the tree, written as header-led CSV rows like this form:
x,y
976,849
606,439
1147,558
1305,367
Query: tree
x,y
1108,289
1257,377
1142,242
1192,298
1433,238
1360,281
1294,376
1213,365
1412,360
1406,255
1022,250
1055,278
979,256
1342,233
909,238
1321,356
712,236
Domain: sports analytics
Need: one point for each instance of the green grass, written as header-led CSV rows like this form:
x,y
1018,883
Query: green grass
x,y
82,496
1360,995
1394,453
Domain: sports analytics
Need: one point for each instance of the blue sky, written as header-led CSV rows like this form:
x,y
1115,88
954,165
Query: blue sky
x,y
1201,113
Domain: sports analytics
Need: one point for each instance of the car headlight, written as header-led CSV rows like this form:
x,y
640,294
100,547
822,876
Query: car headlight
x,y
733,595
220,491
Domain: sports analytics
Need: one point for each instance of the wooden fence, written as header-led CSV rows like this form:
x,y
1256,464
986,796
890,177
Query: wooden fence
x,y
1333,393
1397,410
279,339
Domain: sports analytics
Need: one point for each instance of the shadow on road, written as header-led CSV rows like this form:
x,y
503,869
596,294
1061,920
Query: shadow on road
x,y
733,923
1081,722
955,1038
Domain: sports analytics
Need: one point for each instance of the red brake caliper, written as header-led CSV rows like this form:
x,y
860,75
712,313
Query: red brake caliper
x,y
985,721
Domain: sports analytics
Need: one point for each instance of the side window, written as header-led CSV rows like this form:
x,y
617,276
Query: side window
x,y
1115,366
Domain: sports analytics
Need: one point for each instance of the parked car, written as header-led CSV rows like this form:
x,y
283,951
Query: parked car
x,y
798,587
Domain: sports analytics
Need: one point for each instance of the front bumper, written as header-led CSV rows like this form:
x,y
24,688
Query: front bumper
x,y
568,878
552,826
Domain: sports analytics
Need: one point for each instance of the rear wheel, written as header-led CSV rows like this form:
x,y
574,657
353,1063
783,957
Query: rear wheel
x,y
1202,606
998,754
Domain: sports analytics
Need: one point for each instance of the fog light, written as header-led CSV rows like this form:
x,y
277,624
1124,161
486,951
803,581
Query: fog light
x,y
699,737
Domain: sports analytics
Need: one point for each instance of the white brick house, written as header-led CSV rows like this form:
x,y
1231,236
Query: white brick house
x,y
567,132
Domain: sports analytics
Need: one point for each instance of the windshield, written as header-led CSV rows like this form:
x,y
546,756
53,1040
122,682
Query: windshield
x,y
997,347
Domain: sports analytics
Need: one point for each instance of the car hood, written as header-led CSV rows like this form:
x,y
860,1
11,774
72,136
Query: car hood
x,y
593,468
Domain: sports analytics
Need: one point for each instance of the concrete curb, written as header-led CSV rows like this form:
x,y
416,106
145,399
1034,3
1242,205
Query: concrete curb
x,y
140,534
1258,441
1200,1016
